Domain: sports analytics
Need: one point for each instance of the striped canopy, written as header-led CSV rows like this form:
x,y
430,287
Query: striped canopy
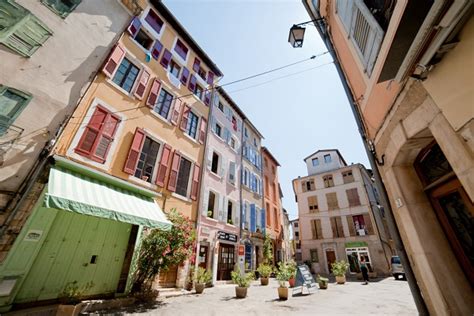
x,y
74,192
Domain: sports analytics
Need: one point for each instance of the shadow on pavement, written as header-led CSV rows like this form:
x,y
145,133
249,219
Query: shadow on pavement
x,y
137,308
229,298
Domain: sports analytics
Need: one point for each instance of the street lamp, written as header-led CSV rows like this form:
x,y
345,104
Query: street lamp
x,y
296,36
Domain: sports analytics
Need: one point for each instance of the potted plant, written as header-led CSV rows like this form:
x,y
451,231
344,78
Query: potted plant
x,y
210,213
339,269
202,277
242,281
189,279
323,282
264,270
292,270
230,222
283,275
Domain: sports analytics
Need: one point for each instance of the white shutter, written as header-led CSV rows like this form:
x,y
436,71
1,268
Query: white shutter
x,y
232,172
220,201
223,167
205,203
224,209
236,214
209,158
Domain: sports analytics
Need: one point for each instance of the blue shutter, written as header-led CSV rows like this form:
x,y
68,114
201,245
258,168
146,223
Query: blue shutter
x,y
253,218
262,213
244,214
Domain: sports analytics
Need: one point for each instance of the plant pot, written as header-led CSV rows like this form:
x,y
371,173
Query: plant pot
x,y
340,279
283,293
323,285
292,282
240,292
199,287
264,281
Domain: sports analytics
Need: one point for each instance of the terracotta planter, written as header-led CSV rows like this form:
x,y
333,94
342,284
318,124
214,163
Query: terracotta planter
x,y
292,282
240,292
283,293
199,287
264,281
340,279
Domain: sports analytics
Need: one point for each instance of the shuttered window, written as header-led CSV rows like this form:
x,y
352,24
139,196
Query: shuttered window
x,y
126,75
154,21
181,49
336,226
308,185
147,159
347,177
20,30
163,105
316,230
353,197
191,128
61,7
332,201
328,181
183,177
12,102
313,203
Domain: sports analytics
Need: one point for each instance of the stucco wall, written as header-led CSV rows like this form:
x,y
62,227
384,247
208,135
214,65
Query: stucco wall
x,y
271,195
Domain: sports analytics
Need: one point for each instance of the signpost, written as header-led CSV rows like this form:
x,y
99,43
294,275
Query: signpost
x,y
304,278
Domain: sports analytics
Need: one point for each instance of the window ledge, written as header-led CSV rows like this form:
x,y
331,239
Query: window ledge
x,y
215,175
120,89
190,138
211,219
196,97
158,116
231,225
179,58
173,80
144,183
180,197
201,81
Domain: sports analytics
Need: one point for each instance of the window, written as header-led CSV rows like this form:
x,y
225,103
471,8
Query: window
x,y
234,123
296,224
202,73
315,162
126,75
246,132
328,181
147,160
181,49
218,130
277,222
174,69
273,169
163,105
297,234
220,106
327,158
254,141
61,7
347,177
232,143
336,226
230,208
191,128
211,204
98,135
353,197
332,201
313,203
12,102
143,39
154,21
215,163
232,172
314,255
198,91
308,185
268,214
359,225
183,177
316,230
21,31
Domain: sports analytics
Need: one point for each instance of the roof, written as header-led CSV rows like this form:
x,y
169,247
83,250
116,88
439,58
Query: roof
x,y
171,19
265,149
226,96
336,150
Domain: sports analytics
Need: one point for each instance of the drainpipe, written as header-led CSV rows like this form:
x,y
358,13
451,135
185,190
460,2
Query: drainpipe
x,y
410,276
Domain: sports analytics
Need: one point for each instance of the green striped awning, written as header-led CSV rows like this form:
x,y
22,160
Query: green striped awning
x,y
78,193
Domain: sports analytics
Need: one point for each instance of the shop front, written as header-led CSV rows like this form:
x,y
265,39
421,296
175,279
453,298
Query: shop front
x,y
355,251
226,256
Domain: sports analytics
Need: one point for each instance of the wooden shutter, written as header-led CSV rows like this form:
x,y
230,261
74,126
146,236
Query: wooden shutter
x,y
166,58
156,50
195,184
350,224
210,78
134,27
303,186
207,97
368,224
106,137
340,229
192,83
184,117
134,152
113,61
178,104
313,229
163,167
173,180
142,83
319,230
197,64
332,200
153,96
202,130
232,172
333,227
253,222
185,76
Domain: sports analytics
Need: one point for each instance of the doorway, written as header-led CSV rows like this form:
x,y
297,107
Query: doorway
x,y
203,256
225,263
330,259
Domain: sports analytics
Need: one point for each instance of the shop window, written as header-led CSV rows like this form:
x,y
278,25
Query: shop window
x,y
354,256
12,103
126,75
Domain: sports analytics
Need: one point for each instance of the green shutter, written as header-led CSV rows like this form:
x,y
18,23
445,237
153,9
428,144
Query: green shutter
x,y
12,102
61,7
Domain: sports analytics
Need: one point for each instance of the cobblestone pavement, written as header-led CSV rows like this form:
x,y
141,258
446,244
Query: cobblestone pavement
x,y
383,297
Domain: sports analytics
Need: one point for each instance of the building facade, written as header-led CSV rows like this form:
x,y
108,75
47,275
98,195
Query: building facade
x,y
287,247
252,214
296,242
415,97
219,219
336,216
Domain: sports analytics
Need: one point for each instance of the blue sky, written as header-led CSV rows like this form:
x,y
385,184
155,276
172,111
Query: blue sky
x,y
297,115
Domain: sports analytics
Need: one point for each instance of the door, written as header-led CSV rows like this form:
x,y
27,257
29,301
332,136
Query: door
x,y
225,264
330,258
203,256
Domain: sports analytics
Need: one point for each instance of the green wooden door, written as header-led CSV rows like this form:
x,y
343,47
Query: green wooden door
x,y
81,256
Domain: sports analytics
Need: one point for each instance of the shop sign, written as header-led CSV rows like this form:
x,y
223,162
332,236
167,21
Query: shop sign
x,y
356,244
226,236
241,250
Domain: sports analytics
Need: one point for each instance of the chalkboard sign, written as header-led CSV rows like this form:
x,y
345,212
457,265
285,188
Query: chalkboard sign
x,y
304,278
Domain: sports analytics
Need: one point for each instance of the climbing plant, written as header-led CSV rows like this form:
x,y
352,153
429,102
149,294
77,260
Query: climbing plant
x,y
268,250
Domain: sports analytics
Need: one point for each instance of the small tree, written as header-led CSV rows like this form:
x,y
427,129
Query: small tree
x,y
267,250
162,249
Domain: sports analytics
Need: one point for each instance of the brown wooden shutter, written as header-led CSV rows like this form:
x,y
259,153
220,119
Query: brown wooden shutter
x,y
153,96
173,180
142,83
313,229
303,185
164,163
134,153
368,224
113,61
195,183
333,227
340,229
350,224
202,130
184,117
319,230
178,104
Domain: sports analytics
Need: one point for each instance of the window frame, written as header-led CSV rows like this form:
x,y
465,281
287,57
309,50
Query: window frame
x,y
157,161
328,181
18,107
64,14
132,64
189,180
315,160
191,115
214,211
348,178
162,89
327,158
218,164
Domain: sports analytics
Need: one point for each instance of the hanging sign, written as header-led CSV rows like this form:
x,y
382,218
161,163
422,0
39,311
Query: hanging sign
x,y
226,236
304,278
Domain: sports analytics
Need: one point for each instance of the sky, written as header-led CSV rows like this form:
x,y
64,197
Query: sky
x,y
298,114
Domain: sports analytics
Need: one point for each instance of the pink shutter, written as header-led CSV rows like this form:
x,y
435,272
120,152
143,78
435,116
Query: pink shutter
x,y
164,163
184,118
134,26
178,104
113,61
135,149
156,50
202,130
166,58
192,83
195,184
197,64
153,96
142,83
210,78
173,180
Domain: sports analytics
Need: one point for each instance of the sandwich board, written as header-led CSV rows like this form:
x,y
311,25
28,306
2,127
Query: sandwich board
x,y
304,279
